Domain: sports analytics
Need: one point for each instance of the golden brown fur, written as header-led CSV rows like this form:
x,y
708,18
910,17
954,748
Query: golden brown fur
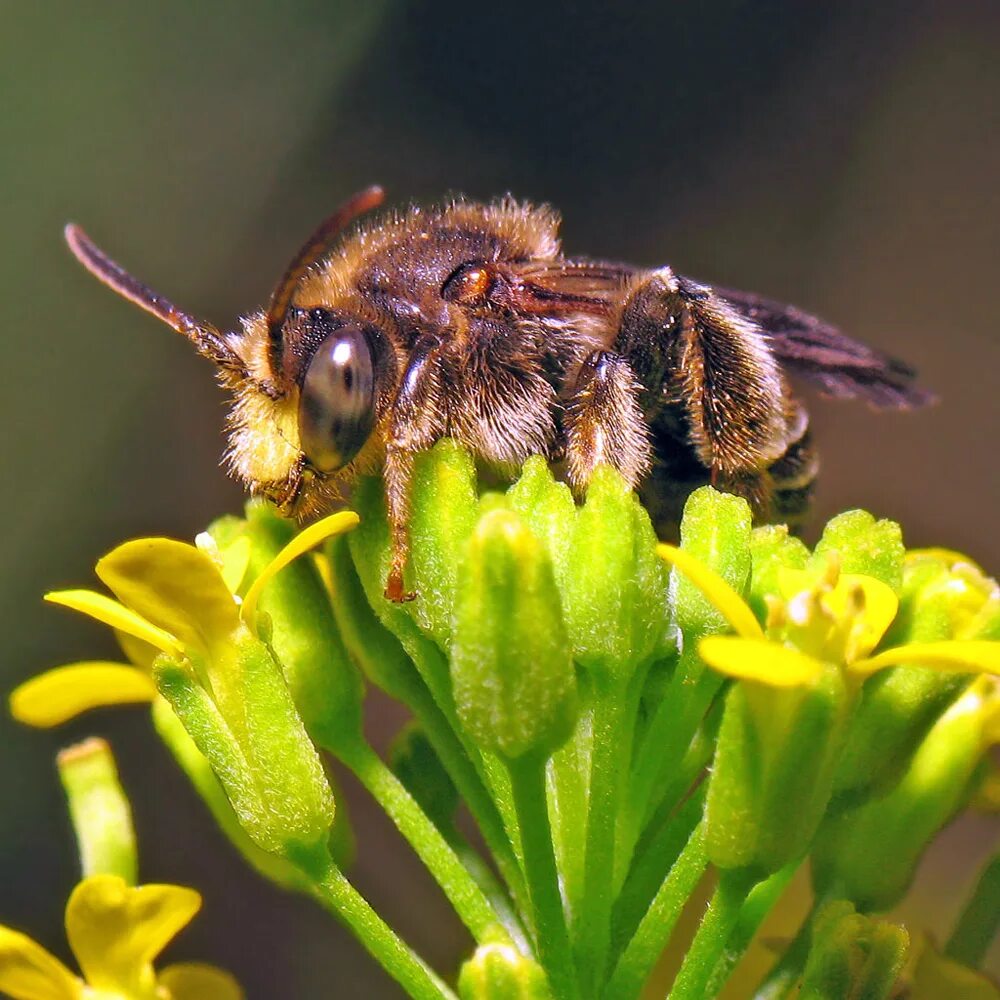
x,y
467,321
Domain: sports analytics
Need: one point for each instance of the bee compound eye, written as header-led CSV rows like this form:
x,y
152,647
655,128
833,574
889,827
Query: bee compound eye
x,y
337,403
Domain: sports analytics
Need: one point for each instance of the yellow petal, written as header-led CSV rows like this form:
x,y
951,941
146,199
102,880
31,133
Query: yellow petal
x,y
110,612
232,562
726,601
64,692
176,586
197,981
140,654
29,972
880,607
305,540
116,931
235,560
792,581
939,978
759,660
964,656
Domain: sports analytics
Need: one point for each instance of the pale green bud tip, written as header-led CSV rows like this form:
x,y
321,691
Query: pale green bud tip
x,y
515,685
614,585
716,531
864,545
99,809
501,972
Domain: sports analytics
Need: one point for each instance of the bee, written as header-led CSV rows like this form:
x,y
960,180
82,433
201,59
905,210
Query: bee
x,y
467,320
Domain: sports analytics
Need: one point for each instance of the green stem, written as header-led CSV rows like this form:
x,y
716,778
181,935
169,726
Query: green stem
x,y
784,975
980,920
613,721
758,905
527,779
334,892
667,738
387,664
656,927
653,863
497,895
713,934
568,775
476,797
464,894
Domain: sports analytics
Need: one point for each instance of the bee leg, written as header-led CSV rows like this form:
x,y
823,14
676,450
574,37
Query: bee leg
x,y
398,471
418,419
711,381
604,421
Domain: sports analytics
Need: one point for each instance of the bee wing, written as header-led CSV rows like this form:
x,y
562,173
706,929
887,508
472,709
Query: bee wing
x,y
552,287
842,368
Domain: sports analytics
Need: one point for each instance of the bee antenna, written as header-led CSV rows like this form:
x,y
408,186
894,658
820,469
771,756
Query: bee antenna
x,y
209,341
312,250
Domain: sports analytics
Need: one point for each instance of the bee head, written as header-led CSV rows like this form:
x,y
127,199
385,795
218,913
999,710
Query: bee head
x,y
309,385
296,434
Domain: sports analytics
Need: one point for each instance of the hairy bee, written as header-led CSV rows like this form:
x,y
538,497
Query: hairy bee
x,y
467,321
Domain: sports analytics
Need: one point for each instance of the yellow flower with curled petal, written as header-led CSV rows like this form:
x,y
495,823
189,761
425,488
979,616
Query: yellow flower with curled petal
x,y
116,932
816,620
194,605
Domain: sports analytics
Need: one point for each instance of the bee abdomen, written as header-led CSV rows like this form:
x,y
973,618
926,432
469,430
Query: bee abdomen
x,y
793,477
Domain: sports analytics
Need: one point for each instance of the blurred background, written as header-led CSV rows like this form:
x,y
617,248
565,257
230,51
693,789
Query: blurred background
x,y
843,157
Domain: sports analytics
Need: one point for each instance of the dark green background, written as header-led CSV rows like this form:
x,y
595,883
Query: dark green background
x,y
841,156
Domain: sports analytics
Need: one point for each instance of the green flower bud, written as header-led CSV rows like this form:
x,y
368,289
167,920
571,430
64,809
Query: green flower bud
x,y
102,817
949,596
371,645
864,545
251,734
898,707
869,853
199,771
501,972
852,956
511,664
442,514
324,683
370,551
715,530
615,596
772,548
547,509
773,771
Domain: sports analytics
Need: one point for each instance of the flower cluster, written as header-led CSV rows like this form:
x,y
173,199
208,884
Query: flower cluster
x,y
619,717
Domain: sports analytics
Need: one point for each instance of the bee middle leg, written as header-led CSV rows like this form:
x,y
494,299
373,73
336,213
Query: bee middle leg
x,y
604,421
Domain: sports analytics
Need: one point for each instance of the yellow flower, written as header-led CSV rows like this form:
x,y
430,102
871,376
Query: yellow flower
x,y
936,976
115,932
833,618
172,597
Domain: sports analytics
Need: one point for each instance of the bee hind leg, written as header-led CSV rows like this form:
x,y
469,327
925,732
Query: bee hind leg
x,y
604,422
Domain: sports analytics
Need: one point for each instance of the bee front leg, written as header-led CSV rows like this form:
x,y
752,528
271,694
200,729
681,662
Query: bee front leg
x,y
604,422
418,418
